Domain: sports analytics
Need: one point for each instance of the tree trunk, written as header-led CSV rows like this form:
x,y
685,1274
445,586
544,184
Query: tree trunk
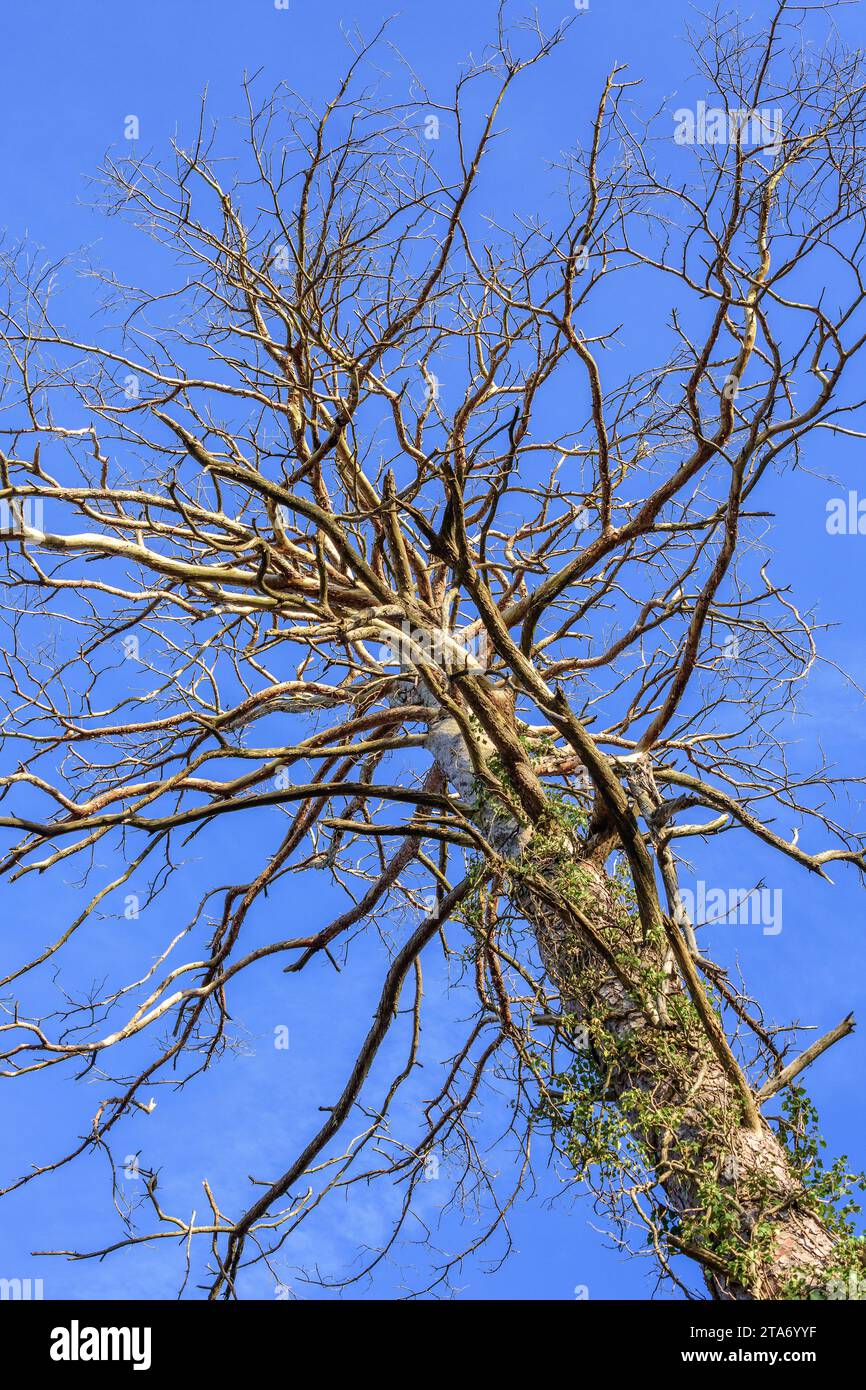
x,y
730,1197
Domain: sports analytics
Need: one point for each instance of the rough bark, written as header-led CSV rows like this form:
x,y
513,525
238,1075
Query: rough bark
x,y
583,939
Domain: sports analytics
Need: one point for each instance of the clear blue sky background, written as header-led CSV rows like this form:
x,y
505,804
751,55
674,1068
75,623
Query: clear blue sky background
x,y
69,75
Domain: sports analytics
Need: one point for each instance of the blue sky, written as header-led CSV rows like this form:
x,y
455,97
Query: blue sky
x,y
69,76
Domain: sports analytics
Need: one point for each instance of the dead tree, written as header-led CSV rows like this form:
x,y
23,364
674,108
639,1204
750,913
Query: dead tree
x,y
434,568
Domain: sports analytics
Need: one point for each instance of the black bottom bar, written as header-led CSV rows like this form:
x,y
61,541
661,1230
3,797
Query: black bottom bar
x,y
60,1340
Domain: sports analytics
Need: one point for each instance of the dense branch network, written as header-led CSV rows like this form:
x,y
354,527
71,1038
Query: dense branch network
x,y
430,568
